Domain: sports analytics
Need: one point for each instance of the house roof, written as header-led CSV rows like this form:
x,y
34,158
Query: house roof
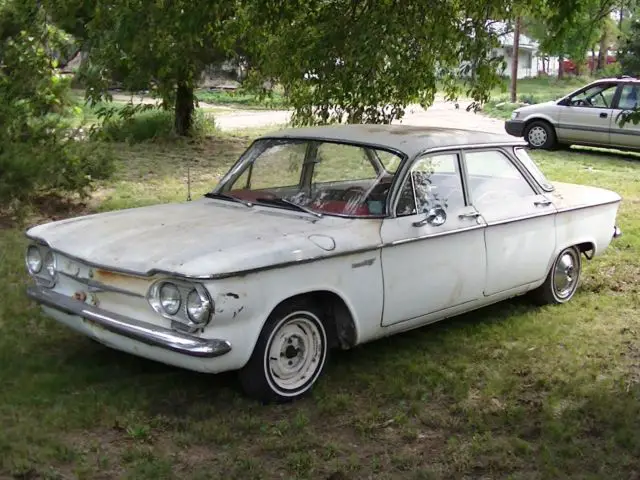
x,y
410,140
506,37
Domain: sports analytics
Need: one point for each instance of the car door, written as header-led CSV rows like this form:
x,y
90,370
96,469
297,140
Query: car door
x,y
520,234
627,136
433,254
586,115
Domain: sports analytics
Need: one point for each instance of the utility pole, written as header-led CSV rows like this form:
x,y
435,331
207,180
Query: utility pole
x,y
514,61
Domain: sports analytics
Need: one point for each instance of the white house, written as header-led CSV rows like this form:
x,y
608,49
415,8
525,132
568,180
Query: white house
x,y
527,55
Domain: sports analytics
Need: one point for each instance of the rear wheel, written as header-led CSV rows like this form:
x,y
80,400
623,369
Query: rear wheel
x,y
563,278
289,356
540,134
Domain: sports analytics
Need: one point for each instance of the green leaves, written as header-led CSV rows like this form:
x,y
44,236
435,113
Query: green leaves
x,y
366,61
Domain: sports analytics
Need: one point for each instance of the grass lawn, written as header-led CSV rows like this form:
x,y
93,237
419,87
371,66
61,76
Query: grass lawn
x,y
511,391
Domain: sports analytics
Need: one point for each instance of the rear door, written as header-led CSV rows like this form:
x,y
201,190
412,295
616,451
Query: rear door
x,y
587,115
627,136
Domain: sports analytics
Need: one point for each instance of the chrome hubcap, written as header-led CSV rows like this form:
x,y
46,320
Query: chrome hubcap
x,y
296,352
565,275
537,136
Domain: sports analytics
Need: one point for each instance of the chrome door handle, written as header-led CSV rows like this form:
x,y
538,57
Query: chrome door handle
x,y
542,203
469,215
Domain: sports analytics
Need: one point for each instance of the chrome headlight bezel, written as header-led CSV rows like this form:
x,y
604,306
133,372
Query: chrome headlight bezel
x,y
181,319
47,273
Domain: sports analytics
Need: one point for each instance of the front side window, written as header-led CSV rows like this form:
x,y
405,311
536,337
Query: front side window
x,y
598,96
434,181
321,176
494,179
628,97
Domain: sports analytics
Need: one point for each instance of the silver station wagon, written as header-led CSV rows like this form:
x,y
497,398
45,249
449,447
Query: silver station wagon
x,y
589,116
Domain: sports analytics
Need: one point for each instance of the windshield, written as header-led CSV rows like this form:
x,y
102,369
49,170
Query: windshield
x,y
318,176
531,166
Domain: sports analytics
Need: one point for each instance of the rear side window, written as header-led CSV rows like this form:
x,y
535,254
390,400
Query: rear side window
x,y
533,169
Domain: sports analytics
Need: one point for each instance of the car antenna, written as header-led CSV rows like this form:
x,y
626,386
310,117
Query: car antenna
x,y
188,181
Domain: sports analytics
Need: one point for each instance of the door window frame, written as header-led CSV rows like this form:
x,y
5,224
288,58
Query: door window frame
x,y
406,175
509,153
566,101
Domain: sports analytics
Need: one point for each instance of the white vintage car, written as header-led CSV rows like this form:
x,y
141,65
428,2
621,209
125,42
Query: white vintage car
x,y
320,238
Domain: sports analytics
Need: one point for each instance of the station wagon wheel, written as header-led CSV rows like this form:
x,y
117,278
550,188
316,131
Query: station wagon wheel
x,y
563,278
289,356
540,134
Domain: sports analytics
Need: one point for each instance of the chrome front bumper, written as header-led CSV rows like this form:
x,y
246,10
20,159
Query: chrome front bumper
x,y
133,329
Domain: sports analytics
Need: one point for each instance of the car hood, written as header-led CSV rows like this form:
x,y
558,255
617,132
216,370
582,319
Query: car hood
x,y
204,238
535,106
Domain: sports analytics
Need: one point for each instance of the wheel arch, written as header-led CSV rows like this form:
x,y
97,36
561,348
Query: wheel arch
x,y
341,326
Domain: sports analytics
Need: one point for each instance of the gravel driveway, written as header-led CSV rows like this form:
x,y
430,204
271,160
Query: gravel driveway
x,y
440,114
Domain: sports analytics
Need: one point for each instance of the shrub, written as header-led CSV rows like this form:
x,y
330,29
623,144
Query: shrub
x,y
152,124
37,152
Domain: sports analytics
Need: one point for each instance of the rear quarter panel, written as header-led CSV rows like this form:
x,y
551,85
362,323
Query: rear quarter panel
x,y
585,215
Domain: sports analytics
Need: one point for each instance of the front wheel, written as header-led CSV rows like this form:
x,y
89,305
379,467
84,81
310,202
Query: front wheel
x,y
289,355
562,281
539,134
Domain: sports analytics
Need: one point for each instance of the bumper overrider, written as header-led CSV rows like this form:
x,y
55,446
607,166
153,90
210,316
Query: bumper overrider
x,y
133,329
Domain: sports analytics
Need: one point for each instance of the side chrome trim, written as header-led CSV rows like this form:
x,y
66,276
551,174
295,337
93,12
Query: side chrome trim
x,y
521,218
433,235
132,328
219,276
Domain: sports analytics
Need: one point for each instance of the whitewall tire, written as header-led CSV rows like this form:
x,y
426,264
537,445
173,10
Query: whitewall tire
x,y
289,356
563,278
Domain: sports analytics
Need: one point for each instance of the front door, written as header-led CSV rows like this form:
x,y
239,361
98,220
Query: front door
x,y
587,117
520,234
627,136
434,254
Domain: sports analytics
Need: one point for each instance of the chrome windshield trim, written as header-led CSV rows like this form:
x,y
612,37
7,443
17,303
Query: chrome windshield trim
x,y
131,328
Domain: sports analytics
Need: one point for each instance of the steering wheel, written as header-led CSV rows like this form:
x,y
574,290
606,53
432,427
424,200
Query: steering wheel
x,y
582,103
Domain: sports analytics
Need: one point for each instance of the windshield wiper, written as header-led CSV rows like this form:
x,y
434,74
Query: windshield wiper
x,y
228,197
284,201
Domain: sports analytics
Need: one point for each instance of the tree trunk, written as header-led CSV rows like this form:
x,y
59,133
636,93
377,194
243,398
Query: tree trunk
x,y
621,18
514,61
184,109
560,67
592,64
602,54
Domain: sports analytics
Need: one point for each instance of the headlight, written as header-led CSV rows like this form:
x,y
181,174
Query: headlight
x,y
198,307
514,115
34,260
187,304
50,264
170,298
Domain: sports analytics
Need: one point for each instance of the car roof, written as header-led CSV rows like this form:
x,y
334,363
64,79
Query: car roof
x,y
410,140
